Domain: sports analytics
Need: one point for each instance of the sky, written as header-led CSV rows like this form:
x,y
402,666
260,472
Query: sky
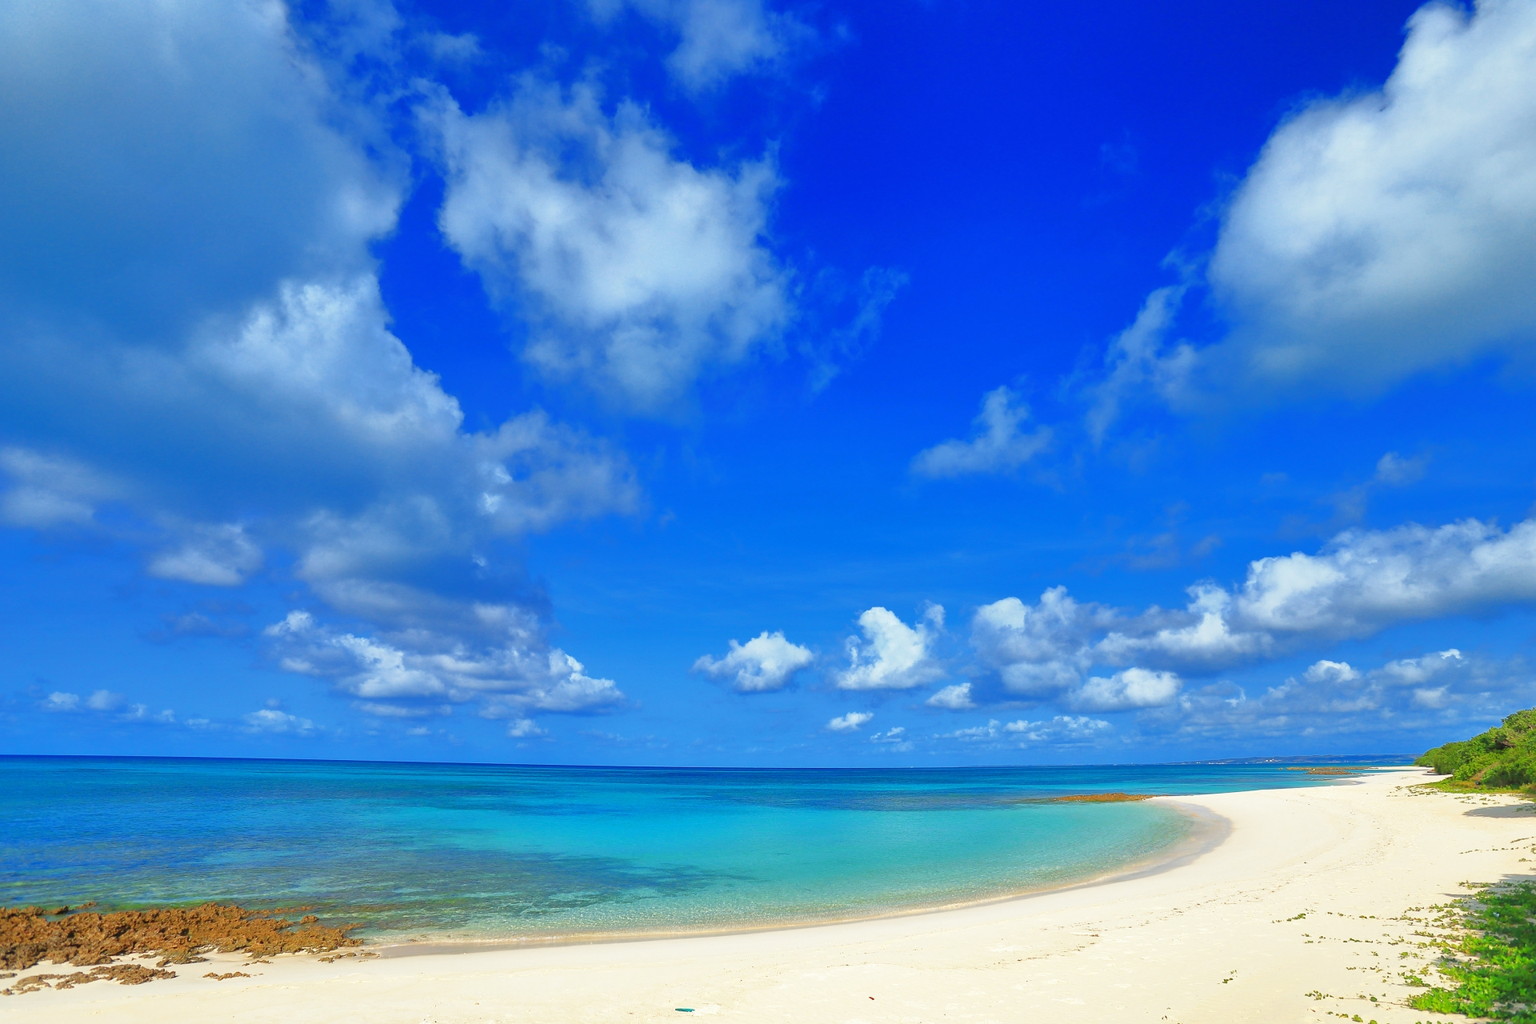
x,y
746,383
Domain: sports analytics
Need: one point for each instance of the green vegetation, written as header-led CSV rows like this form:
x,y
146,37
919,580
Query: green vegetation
x,y
1492,960
1503,758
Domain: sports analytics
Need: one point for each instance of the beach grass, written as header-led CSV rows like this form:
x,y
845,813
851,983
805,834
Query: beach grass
x,y
1489,958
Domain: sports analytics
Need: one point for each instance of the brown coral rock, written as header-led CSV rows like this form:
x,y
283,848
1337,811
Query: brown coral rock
x,y
30,935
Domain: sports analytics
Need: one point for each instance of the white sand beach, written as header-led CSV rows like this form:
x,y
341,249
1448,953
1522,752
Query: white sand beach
x,y
1296,915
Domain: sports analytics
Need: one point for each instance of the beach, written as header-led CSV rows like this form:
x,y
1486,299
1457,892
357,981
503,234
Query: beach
x,y
1290,908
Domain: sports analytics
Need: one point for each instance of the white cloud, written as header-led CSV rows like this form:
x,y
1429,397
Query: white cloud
x,y
638,270
218,125
1330,672
1131,688
763,664
235,406
1414,671
1360,583
716,38
50,490
104,700
1140,364
953,698
524,729
849,722
1335,696
999,446
1202,637
220,555
1061,729
106,704
273,720
508,672
1038,650
1386,233
894,739
1364,580
892,655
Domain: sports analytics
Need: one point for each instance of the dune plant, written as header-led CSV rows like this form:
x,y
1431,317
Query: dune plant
x,y
1502,758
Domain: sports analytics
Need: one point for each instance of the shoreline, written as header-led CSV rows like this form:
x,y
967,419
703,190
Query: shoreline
x,y
1304,911
1208,832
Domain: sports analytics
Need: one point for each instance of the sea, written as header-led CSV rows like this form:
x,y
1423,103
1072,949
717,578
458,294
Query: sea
x,y
529,854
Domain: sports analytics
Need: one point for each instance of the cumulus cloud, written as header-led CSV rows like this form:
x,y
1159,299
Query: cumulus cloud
x,y
1385,233
1039,650
1364,580
1378,235
956,697
238,407
849,722
507,673
1131,688
1361,582
716,38
998,446
638,270
765,663
892,655
1334,696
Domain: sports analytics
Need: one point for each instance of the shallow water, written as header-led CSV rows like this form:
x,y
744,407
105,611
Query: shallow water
x,y
536,853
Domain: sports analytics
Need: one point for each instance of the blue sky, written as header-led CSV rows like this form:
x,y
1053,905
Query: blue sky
x,y
744,383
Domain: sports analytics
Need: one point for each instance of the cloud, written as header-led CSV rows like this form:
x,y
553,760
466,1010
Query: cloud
x,y
849,722
1140,364
894,739
1382,234
1392,470
238,410
1038,651
107,705
1379,234
220,555
49,491
892,655
953,698
1092,657
1062,729
997,447
277,722
637,270
765,663
1131,688
1364,580
1329,696
716,38
508,672
524,729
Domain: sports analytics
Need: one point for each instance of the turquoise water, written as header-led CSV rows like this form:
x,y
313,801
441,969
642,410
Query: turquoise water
x,y
538,854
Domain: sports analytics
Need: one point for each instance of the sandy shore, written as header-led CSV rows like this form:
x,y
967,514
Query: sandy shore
x,y
1298,915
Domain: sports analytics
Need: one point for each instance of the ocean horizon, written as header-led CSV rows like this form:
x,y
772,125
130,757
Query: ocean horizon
x,y
442,852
